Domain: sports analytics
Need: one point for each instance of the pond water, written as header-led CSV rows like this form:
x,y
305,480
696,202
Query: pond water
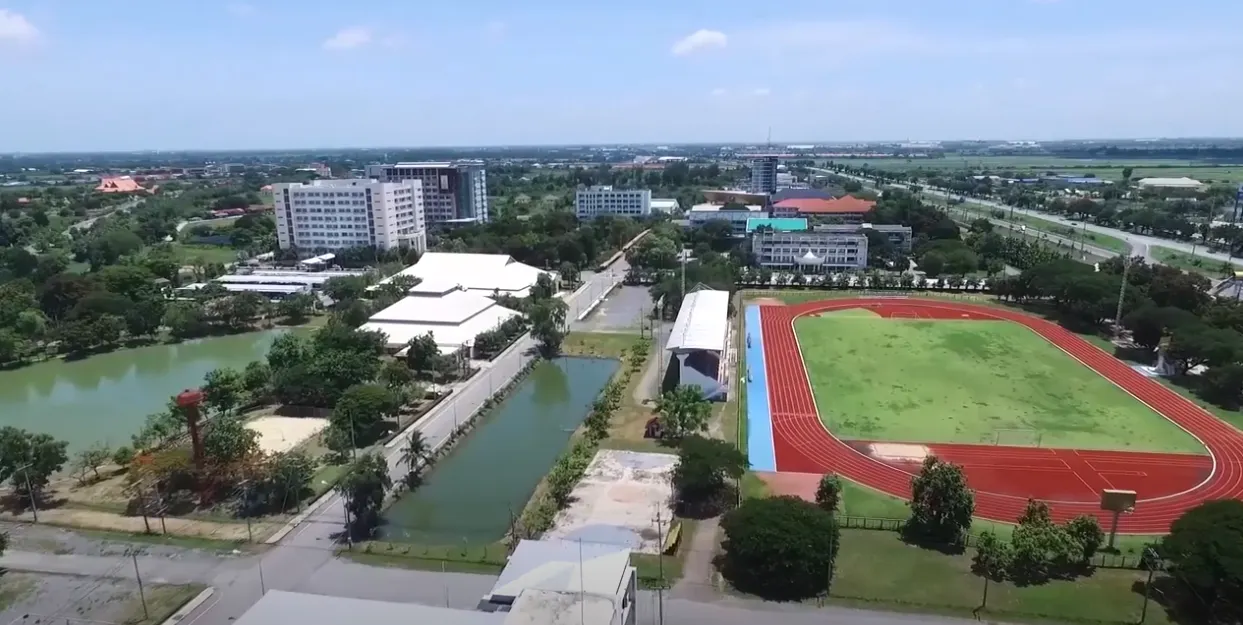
x,y
107,397
471,495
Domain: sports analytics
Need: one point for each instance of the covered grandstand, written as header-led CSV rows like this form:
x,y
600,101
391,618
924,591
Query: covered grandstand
x,y
698,343
454,316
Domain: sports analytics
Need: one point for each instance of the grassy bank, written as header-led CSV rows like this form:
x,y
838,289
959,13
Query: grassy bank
x,y
878,570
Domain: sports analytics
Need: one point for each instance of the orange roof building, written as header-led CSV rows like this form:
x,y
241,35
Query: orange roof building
x,y
845,207
120,184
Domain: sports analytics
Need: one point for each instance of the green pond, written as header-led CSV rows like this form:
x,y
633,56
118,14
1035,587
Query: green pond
x,y
470,494
107,397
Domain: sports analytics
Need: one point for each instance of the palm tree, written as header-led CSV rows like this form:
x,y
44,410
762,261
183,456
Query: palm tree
x,y
415,452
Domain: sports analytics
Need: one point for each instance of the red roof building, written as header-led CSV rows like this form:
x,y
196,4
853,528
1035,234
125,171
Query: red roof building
x,y
848,208
122,184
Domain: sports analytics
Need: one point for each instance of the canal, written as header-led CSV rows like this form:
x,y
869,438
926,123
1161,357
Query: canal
x,y
107,397
469,497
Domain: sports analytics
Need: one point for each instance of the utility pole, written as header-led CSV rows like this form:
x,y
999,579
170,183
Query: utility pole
x,y
34,505
660,565
141,593
1152,565
1126,268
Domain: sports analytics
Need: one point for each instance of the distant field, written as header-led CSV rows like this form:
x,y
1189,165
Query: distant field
x,y
1197,264
208,253
1105,169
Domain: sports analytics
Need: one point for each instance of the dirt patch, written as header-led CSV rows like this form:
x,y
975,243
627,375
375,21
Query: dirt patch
x,y
767,301
107,521
802,485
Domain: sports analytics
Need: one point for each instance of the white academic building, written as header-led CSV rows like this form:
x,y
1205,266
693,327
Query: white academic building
x,y
811,251
341,214
599,200
453,193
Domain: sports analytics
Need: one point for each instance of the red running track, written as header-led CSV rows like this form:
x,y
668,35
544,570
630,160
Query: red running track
x,y
804,445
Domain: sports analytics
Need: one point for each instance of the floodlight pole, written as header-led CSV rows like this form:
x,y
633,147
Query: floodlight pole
x,y
1126,268
1113,529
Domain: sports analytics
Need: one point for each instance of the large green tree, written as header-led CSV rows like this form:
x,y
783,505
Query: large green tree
x,y
779,548
704,467
941,504
363,488
28,460
683,411
1204,554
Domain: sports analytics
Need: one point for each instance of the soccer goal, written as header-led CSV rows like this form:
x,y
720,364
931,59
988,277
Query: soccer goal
x,y
1018,437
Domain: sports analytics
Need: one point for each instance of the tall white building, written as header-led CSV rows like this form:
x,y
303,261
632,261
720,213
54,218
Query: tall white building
x,y
340,214
605,200
453,193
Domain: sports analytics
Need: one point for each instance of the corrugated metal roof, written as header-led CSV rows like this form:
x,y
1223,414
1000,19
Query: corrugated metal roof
x,y
702,322
278,607
480,272
563,566
453,307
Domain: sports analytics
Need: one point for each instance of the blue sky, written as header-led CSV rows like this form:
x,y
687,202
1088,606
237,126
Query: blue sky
x,y
141,74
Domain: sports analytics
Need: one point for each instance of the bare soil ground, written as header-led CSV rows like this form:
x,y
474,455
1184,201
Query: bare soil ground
x,y
798,484
29,599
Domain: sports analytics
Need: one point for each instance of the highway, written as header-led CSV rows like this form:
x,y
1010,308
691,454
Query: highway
x,y
309,546
1140,243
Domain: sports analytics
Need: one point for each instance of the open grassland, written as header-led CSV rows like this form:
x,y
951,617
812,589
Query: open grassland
x,y
1041,165
966,381
1207,267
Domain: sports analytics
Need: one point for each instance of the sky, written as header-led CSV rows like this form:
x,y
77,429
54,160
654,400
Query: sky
x,y
121,75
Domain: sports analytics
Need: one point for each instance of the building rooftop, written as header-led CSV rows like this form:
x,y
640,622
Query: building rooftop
x,y
712,208
477,272
547,607
728,196
452,307
843,205
278,607
423,164
563,566
702,322
1169,182
796,194
780,224
449,337
120,184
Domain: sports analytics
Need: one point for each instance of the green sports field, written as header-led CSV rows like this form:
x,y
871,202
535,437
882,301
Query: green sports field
x,y
983,382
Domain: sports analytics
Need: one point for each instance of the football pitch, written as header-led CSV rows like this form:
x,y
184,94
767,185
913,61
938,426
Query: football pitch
x,y
977,382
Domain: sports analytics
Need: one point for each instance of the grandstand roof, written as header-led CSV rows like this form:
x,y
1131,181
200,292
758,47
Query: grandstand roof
x,y
702,322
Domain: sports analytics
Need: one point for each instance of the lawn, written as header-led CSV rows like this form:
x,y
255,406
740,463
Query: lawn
x,y
877,569
1077,235
966,382
188,253
1207,267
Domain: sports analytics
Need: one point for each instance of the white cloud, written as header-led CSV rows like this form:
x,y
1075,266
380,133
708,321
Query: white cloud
x,y
761,91
15,28
701,39
240,9
719,91
349,38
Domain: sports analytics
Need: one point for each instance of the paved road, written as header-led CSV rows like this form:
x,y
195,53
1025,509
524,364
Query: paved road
x,y
236,590
1140,242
